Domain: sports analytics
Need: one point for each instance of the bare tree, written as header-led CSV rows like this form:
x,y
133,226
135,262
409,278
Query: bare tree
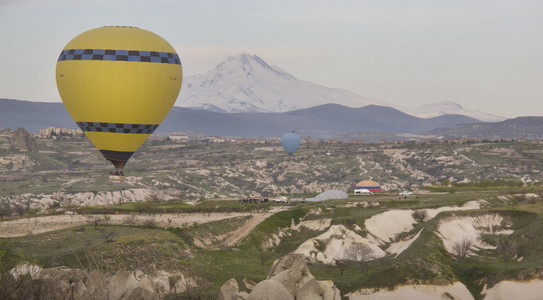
x,y
151,223
342,265
154,198
130,220
264,255
146,207
419,215
12,285
109,236
30,214
507,248
461,248
97,220
16,288
106,218
360,253
20,210
197,280
5,210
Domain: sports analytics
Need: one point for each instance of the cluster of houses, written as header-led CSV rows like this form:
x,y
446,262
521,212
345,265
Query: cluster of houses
x,y
56,132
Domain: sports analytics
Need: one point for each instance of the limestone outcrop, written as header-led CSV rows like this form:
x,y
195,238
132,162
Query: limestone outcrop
x,y
24,141
288,278
228,290
77,284
44,201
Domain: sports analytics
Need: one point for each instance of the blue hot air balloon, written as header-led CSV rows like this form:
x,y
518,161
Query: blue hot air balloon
x,y
290,142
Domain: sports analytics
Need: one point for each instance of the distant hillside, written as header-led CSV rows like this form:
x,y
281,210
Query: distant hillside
x,y
447,108
327,121
324,121
33,115
522,127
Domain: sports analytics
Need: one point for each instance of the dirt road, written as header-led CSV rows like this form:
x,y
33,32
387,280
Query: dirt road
x,y
28,226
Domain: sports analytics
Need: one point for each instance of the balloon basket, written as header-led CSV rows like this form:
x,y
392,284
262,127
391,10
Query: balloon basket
x,y
116,176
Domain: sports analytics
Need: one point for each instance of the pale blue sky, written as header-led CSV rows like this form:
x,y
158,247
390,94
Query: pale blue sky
x,y
482,54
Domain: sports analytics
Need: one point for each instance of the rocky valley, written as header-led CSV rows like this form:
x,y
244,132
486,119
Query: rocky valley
x,y
69,171
227,219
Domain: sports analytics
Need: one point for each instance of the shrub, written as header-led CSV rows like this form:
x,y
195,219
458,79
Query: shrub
x,y
461,248
130,220
419,215
151,223
507,249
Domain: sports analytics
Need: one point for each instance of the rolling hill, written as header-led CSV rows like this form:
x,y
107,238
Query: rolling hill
x,y
323,121
521,127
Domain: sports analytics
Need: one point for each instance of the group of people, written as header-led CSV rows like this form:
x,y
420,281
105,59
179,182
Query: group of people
x,y
253,200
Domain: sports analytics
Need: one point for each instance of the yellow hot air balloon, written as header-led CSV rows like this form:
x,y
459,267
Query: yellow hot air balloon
x,y
118,83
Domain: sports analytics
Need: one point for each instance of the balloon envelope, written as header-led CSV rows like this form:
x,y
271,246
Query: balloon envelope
x,y
290,142
118,84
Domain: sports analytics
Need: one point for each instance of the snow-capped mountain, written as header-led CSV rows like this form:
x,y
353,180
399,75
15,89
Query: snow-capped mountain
x,y
448,108
246,83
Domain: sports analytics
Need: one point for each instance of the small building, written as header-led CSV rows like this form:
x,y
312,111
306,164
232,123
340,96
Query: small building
x,y
369,185
54,132
362,192
178,138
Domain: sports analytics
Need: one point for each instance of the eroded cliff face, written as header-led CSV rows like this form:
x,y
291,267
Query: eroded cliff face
x,y
288,278
44,201
64,283
23,141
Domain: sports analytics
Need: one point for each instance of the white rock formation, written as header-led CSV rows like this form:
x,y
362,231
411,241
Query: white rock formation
x,y
335,244
26,268
457,229
43,201
387,225
504,290
289,278
399,247
316,225
456,290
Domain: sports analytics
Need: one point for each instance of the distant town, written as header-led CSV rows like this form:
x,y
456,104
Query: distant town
x,y
67,133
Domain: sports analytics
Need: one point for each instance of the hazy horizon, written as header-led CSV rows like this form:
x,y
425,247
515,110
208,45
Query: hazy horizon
x,y
484,56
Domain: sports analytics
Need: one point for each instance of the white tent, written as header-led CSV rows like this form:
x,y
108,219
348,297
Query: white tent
x,y
330,194
362,192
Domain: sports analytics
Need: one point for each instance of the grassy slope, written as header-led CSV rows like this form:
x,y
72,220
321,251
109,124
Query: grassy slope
x,y
85,247
426,261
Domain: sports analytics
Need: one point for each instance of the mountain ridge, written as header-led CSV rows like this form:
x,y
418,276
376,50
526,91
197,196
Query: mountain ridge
x,y
530,127
322,122
328,121
246,83
450,107
33,115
